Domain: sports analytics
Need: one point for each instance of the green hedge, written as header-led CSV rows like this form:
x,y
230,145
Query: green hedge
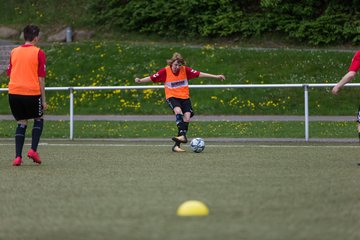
x,y
311,22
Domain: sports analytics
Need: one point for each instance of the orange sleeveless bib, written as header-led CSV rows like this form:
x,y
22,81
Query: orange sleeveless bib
x,y
24,78
176,86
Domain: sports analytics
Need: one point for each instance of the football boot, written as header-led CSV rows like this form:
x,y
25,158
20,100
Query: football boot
x,y
17,161
34,156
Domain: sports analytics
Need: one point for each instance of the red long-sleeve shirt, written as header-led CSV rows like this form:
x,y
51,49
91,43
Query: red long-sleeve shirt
x,y
355,63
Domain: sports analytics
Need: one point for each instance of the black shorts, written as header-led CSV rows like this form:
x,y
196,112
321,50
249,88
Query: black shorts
x,y
184,104
25,107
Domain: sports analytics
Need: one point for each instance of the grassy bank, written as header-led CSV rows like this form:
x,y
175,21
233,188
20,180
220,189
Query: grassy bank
x,y
108,63
46,13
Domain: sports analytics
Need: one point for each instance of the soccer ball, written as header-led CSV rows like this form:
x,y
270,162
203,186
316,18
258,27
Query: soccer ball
x,y
197,145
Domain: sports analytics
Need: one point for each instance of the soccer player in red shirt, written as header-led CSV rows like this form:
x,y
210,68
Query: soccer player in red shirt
x,y
348,77
175,78
27,91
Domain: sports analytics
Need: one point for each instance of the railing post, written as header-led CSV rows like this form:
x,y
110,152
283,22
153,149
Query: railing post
x,y
71,113
306,104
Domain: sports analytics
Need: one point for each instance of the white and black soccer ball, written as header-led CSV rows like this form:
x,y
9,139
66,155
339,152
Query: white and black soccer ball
x,y
197,145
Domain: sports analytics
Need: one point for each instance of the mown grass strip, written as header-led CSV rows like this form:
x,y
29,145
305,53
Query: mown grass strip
x,y
216,129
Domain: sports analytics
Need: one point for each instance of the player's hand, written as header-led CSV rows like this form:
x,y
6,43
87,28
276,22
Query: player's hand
x,y
221,77
335,90
137,80
44,106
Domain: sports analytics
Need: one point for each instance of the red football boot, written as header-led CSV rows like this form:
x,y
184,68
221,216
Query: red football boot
x,y
17,161
34,156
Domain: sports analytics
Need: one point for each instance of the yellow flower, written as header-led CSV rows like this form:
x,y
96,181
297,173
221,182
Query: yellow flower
x,y
208,46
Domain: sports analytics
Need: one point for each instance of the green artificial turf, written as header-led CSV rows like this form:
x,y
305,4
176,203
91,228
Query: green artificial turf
x,y
119,190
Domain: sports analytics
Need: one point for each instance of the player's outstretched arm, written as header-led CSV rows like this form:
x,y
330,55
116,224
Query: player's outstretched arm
x,y
347,78
141,80
208,75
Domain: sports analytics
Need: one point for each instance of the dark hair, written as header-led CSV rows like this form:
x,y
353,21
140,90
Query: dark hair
x,y
30,32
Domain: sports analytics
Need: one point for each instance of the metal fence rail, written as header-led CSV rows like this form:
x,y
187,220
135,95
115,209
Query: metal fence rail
x,y
220,86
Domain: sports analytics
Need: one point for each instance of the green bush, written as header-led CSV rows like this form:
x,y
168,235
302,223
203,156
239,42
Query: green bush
x,y
312,22
170,18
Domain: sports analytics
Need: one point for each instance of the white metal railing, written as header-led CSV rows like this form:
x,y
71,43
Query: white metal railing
x,y
304,86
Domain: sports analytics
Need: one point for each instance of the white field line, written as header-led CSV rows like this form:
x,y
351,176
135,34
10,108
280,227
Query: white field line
x,y
167,145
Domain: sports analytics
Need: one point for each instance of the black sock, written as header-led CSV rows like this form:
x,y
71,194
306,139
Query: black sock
x,y
181,128
179,118
186,126
181,125
36,133
20,139
359,136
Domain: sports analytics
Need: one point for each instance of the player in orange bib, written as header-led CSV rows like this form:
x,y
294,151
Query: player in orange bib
x,y
176,78
27,91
